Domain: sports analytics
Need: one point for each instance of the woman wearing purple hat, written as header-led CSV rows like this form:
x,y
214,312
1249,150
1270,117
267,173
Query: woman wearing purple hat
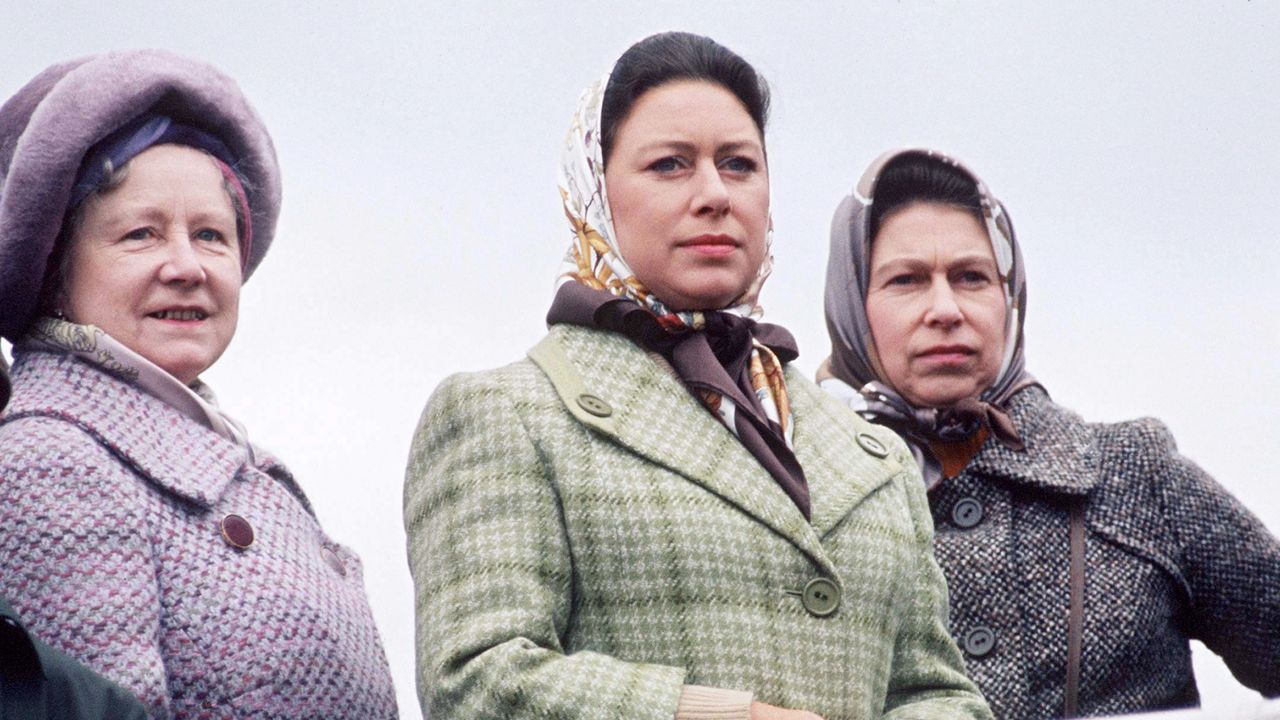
x,y
140,531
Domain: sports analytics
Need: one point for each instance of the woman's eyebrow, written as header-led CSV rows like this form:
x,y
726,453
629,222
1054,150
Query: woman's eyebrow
x,y
738,146
897,265
901,260
668,145
685,146
973,259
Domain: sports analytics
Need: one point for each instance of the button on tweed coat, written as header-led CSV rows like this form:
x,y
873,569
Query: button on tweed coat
x,y
110,547
573,564
1169,555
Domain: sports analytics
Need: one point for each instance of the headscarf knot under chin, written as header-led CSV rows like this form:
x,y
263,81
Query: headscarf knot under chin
x,y
970,416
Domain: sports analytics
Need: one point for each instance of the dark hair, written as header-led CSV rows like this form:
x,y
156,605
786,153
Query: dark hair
x,y
670,56
917,177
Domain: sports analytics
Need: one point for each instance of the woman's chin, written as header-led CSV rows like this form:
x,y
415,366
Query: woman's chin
x,y
184,355
186,367
707,296
941,394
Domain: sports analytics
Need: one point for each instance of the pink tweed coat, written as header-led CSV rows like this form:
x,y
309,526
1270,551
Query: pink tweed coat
x,y
112,547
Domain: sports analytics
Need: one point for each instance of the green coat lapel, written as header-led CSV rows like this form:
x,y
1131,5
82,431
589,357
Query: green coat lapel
x,y
845,458
647,410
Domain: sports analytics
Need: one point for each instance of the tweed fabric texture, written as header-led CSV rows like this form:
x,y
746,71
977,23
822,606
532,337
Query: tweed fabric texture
x,y
571,564
1170,556
110,508
94,346
38,682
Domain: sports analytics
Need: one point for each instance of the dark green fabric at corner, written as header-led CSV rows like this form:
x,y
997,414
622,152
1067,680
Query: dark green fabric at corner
x,y
37,681
4,382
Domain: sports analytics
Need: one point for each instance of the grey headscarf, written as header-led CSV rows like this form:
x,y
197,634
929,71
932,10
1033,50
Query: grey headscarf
x,y
854,360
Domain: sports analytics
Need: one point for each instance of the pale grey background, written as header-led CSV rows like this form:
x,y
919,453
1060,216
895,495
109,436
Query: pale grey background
x,y
1134,143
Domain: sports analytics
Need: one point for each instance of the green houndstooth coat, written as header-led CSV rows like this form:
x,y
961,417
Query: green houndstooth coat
x,y
585,538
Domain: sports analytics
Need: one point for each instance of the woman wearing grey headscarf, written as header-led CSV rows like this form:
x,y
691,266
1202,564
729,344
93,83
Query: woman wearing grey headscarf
x,y
1081,557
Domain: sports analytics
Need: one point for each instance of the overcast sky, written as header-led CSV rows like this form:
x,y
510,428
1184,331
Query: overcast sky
x,y
1136,145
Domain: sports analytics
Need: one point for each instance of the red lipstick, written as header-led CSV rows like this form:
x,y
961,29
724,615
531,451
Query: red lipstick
x,y
709,244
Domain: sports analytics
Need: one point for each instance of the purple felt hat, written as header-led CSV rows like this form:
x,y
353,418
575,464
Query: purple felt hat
x,y
49,125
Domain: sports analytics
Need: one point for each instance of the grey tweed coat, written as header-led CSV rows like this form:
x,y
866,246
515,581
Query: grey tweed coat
x,y
1169,556
585,538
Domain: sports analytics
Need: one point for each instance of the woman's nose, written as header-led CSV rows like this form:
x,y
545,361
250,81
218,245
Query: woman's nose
x,y
711,196
943,308
181,264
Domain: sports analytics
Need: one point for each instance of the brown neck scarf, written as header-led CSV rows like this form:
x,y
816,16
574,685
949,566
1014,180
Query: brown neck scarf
x,y
715,361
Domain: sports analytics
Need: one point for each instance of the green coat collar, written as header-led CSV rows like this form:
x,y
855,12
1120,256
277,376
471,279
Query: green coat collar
x,y
585,367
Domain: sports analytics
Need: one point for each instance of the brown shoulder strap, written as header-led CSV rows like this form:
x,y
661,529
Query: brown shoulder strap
x,y
1075,620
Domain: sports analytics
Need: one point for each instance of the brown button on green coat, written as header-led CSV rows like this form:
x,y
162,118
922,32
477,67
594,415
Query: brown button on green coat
x,y
586,557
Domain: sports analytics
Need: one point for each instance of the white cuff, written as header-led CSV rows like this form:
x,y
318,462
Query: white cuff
x,y
698,702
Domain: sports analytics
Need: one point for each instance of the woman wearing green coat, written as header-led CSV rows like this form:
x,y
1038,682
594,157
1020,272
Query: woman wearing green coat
x,y
653,515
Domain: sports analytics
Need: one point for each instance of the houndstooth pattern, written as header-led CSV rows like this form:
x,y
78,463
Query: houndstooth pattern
x,y
110,504
564,573
1170,556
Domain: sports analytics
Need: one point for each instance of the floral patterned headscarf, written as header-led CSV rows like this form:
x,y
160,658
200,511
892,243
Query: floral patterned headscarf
x,y
594,260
